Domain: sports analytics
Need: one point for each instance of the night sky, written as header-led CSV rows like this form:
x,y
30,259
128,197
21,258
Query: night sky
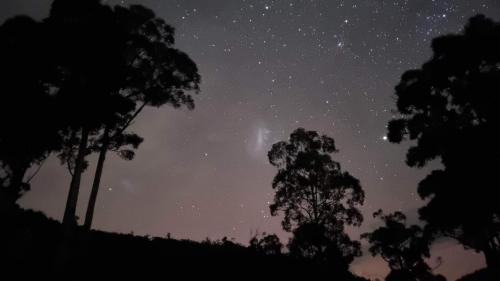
x,y
268,67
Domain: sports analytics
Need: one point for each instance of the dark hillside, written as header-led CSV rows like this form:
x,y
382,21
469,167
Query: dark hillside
x,y
30,240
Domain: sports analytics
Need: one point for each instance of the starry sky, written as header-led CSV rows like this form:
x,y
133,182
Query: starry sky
x,y
268,67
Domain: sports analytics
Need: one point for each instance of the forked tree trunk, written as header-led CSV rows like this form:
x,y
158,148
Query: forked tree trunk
x,y
97,180
69,219
62,258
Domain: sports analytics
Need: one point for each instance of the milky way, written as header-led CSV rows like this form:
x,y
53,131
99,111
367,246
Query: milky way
x,y
268,67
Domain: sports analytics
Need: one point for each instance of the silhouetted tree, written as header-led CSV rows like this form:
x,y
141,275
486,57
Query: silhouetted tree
x,y
87,51
316,197
113,62
268,244
161,75
403,247
450,108
28,115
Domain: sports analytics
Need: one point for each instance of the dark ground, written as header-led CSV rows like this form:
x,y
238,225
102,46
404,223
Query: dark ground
x,y
31,243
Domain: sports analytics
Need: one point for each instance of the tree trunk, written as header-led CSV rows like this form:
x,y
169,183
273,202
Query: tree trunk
x,y
492,257
62,258
97,180
69,219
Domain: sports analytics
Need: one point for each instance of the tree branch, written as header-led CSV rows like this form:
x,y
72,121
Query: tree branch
x,y
129,122
36,172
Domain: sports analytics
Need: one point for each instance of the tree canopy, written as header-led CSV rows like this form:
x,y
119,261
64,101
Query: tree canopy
x,y
267,244
315,196
449,107
113,62
79,78
29,118
403,247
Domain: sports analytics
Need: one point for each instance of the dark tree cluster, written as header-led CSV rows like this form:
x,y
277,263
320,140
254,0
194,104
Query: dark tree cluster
x,y
317,198
403,247
268,244
73,83
28,119
449,108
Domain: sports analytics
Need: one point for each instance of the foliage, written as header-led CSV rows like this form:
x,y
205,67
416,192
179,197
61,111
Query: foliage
x,y
75,82
268,244
450,108
316,197
403,247
399,245
28,113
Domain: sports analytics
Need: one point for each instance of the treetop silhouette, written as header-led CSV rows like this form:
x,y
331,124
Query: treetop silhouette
x,y
450,108
82,76
403,247
315,196
113,62
267,244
